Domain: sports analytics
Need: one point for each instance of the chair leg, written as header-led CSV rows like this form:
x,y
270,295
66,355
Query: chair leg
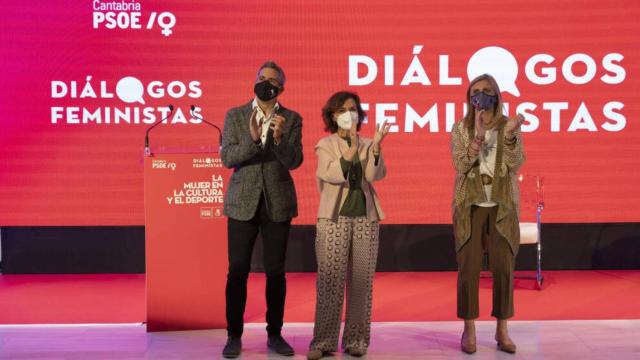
x,y
539,277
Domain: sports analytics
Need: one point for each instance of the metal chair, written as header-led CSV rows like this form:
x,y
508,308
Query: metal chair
x,y
531,206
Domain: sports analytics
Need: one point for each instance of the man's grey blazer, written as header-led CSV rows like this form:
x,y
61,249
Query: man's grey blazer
x,y
261,170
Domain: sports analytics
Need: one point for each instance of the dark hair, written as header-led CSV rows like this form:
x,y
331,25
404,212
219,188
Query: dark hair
x,y
334,103
272,65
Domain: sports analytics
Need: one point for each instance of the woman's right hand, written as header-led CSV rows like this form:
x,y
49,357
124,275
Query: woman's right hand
x,y
480,129
353,135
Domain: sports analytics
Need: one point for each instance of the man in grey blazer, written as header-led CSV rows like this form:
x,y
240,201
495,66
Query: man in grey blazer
x,y
262,142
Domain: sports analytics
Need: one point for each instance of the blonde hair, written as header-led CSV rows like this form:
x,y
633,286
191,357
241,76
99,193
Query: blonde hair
x,y
469,118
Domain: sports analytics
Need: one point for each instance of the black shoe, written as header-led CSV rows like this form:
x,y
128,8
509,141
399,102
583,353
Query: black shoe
x,y
233,348
278,344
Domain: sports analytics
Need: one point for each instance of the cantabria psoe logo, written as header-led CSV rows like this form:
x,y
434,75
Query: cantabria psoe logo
x,y
541,69
124,103
163,164
127,14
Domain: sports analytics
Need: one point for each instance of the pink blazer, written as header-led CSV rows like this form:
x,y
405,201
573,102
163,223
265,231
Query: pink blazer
x,y
334,187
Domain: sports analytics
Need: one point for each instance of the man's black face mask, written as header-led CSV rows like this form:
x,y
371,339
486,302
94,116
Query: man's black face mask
x,y
265,90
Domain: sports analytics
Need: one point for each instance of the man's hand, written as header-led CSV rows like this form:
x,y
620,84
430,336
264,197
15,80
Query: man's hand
x,y
255,129
277,123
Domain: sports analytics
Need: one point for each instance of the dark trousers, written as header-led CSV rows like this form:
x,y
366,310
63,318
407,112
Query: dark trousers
x,y
485,238
242,237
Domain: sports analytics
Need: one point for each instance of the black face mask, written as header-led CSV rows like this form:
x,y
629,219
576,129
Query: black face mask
x,y
482,101
266,91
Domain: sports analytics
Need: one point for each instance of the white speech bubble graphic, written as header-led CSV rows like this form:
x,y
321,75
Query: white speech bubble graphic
x,y
497,62
130,90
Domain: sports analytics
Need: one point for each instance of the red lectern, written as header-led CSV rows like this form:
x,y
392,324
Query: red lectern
x,y
186,238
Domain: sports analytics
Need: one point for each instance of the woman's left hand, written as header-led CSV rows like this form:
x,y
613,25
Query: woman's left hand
x,y
512,125
381,133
